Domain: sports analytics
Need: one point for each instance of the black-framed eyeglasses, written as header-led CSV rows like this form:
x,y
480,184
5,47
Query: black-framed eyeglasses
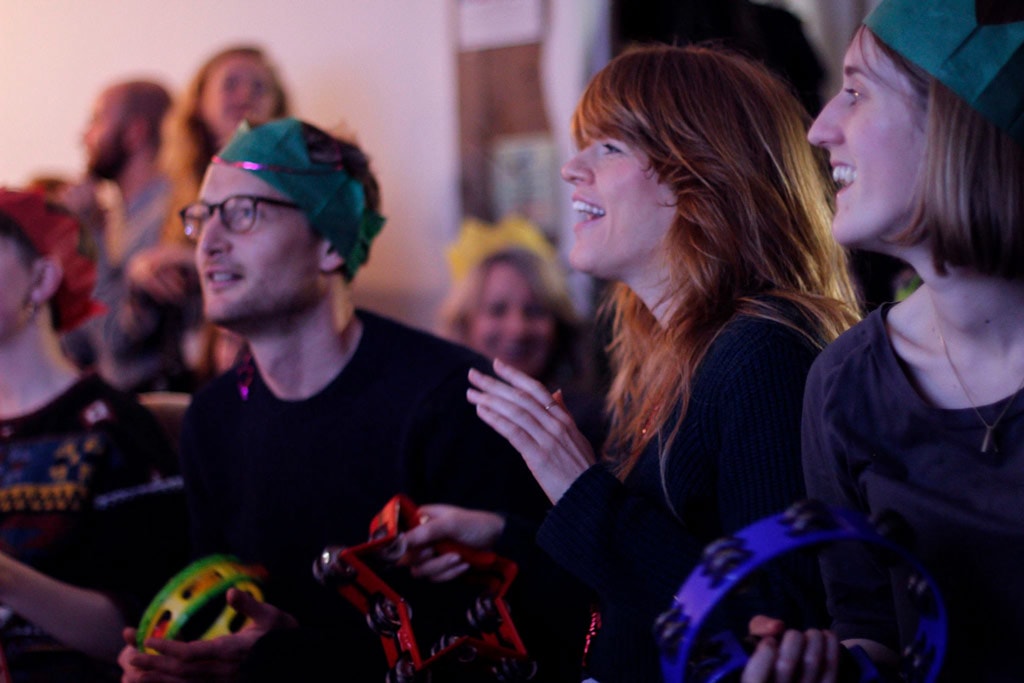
x,y
237,213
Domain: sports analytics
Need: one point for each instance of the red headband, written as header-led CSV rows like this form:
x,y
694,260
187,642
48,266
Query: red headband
x,y
59,236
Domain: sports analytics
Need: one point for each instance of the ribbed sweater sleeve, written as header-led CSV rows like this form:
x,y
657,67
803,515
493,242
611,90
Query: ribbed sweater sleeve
x,y
735,459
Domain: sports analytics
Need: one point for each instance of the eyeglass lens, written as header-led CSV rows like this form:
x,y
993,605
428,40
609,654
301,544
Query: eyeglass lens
x,y
236,213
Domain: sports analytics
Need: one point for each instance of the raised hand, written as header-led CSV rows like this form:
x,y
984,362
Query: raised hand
x,y
536,423
165,272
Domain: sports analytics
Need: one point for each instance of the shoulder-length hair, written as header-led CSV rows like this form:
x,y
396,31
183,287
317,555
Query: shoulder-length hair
x,y
969,199
751,233
188,144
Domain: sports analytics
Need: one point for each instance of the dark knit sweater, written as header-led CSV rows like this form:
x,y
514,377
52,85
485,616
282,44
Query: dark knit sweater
x,y
276,481
735,459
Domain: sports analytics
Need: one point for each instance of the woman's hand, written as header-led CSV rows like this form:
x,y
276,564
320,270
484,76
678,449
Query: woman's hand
x,y
536,423
478,529
166,272
811,656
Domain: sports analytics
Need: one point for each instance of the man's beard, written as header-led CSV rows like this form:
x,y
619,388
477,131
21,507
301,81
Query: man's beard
x,y
110,159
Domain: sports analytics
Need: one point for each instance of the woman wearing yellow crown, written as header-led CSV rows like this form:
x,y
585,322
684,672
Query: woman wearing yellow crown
x,y
510,301
919,409
509,298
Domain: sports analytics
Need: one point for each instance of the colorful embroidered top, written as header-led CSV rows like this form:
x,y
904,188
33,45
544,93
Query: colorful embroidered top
x,y
89,496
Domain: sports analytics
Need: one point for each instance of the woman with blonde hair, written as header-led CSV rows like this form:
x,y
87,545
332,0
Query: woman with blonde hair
x,y
697,193
510,301
236,83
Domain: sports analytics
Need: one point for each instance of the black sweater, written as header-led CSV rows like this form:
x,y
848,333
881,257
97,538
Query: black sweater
x,y
735,459
275,481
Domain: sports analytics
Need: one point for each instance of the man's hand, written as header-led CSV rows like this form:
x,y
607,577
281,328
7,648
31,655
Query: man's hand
x,y
218,659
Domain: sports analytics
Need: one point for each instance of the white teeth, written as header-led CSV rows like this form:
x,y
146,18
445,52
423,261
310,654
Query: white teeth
x,y
844,175
588,209
220,277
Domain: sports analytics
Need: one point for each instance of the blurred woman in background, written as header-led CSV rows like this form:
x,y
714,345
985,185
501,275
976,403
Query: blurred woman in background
x,y
510,301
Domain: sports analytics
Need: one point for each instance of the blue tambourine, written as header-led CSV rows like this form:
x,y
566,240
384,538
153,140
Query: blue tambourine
x,y
727,562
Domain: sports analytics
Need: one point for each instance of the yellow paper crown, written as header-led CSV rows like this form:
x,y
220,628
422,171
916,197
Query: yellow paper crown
x,y
479,240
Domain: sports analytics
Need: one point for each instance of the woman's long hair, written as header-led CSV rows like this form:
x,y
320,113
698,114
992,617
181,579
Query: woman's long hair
x,y
188,144
751,233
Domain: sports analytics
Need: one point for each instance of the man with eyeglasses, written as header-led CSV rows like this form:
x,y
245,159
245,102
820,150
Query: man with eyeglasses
x,y
335,411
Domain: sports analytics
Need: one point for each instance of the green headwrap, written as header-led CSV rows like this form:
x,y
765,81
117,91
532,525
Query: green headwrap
x,y
974,47
306,164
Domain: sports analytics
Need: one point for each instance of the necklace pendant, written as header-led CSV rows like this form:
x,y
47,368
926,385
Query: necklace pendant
x,y
989,442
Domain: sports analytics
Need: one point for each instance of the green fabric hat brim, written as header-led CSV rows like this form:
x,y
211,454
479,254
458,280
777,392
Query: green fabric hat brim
x,y
983,64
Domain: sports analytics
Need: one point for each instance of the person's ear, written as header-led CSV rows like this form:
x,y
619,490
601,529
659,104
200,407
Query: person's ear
x,y
330,259
47,274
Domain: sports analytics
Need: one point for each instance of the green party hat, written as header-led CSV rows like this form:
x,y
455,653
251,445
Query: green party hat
x,y
306,164
974,47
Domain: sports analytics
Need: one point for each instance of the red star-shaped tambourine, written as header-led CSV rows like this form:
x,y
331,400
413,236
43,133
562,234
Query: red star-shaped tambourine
x,y
486,639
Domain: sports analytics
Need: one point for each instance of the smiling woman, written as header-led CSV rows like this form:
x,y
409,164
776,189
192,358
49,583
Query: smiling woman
x,y
236,83
510,301
919,410
876,126
625,214
698,194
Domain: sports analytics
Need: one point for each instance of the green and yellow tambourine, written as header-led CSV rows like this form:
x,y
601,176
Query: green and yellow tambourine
x,y
193,605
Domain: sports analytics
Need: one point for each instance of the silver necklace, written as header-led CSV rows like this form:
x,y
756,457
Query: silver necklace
x,y
989,442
